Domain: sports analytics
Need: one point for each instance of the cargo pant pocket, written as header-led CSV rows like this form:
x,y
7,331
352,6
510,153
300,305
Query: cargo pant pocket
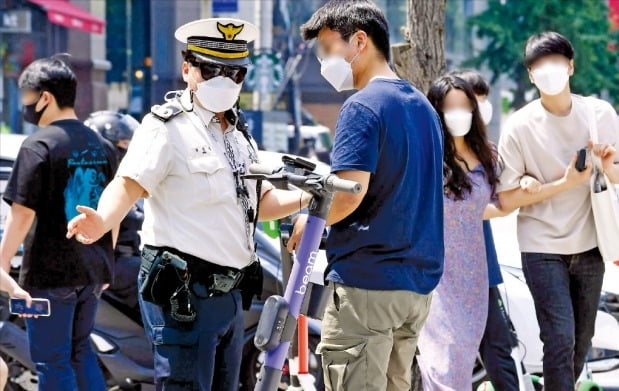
x,y
343,364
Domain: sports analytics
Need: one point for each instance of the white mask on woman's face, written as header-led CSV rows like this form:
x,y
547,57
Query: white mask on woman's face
x,y
551,78
458,121
218,94
485,109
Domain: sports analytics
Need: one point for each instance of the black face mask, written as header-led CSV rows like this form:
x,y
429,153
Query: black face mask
x,y
30,114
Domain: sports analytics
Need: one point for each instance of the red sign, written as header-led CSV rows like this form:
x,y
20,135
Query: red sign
x,y
613,6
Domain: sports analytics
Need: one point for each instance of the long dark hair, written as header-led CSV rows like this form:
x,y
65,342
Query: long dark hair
x,y
456,181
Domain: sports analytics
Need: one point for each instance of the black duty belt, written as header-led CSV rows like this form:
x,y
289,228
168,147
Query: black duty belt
x,y
216,278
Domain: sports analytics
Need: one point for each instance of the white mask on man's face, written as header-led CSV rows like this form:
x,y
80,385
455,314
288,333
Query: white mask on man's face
x,y
551,78
458,121
485,109
338,72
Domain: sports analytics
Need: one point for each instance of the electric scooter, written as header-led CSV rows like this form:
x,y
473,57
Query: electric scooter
x,y
278,320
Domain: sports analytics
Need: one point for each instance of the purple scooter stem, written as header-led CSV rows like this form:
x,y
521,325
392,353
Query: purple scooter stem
x,y
297,285
322,188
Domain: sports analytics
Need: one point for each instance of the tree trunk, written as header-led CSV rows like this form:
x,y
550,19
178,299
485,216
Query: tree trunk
x,y
522,83
421,59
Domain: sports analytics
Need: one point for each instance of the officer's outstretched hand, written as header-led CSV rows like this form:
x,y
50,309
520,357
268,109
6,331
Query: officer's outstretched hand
x,y
87,227
297,232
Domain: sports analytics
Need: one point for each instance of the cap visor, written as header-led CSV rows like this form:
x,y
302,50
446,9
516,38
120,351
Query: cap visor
x,y
224,61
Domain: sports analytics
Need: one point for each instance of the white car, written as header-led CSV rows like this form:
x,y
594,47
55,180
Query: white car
x,y
9,147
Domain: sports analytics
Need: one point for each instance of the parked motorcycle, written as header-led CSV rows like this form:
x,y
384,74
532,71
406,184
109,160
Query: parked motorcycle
x,y
124,352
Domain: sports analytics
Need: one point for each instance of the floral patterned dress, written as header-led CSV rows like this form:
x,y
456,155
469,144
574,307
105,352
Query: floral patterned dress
x,y
449,340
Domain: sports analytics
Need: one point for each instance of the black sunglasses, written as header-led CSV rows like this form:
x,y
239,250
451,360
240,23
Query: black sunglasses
x,y
210,70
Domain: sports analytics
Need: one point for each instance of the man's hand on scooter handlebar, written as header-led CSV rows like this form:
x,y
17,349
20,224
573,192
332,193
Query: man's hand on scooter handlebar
x,y
330,183
295,238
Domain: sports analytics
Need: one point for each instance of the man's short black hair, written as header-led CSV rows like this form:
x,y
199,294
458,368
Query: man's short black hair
x,y
475,79
546,44
347,17
53,75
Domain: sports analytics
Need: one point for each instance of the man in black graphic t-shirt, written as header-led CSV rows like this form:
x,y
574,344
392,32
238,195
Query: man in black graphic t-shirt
x,y
62,165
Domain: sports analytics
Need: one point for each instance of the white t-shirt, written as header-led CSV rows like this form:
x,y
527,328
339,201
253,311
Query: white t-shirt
x,y
540,144
192,204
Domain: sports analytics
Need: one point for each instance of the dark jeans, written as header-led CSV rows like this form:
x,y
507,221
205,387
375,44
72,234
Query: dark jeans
x,y
124,288
496,346
566,292
60,344
202,355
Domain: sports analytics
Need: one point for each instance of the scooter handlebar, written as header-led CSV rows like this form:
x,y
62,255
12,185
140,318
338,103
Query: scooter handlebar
x,y
261,169
330,183
333,183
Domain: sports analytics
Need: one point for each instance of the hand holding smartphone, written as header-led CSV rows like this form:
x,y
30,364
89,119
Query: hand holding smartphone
x,y
39,307
581,160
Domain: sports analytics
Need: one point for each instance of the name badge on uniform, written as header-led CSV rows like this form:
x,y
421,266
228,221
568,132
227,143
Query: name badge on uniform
x,y
201,150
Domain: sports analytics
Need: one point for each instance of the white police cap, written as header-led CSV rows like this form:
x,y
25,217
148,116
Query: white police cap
x,y
221,40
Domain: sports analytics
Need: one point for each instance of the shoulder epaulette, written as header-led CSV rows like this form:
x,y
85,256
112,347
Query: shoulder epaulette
x,y
166,111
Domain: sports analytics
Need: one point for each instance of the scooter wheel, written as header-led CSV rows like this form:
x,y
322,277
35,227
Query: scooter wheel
x,y
588,385
485,386
537,383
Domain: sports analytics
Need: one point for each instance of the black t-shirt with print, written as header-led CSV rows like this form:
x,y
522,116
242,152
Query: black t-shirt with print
x,y
59,167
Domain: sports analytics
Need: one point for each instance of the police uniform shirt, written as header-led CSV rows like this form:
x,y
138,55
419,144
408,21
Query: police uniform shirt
x,y
192,203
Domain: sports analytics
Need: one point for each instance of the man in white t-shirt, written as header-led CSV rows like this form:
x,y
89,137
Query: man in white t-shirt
x,y
561,262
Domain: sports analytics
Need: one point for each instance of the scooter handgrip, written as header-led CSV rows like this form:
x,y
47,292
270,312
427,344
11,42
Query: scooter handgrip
x,y
333,183
260,169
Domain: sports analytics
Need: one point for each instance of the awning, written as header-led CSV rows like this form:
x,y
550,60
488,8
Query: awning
x,y
613,6
66,14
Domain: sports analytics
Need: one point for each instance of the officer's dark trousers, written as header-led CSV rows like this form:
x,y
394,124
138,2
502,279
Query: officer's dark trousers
x,y
204,355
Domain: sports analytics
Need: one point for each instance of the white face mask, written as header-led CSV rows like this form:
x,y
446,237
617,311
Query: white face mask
x,y
551,78
458,121
485,109
338,72
218,94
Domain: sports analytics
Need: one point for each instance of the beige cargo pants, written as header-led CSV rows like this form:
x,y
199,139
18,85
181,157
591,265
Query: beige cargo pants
x,y
369,338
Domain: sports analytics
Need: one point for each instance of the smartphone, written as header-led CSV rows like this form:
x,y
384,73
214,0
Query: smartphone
x,y
39,307
581,160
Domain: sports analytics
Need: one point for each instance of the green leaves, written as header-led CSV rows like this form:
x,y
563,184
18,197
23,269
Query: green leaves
x,y
506,28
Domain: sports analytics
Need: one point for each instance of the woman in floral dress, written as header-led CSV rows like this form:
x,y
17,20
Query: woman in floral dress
x,y
450,338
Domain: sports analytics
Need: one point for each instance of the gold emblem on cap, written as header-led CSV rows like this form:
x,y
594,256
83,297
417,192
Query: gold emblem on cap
x,y
229,31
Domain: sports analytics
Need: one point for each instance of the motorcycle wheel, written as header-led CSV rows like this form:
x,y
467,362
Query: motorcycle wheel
x,y
251,367
20,377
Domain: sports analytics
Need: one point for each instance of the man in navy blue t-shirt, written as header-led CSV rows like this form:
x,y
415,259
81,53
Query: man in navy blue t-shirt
x,y
385,247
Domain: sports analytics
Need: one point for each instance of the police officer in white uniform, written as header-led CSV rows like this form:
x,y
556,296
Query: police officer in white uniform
x,y
187,159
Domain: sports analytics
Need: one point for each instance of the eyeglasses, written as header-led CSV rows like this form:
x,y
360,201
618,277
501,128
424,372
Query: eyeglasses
x,y
210,70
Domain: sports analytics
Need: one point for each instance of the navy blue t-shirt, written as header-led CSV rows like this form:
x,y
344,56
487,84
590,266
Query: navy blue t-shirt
x,y
394,239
